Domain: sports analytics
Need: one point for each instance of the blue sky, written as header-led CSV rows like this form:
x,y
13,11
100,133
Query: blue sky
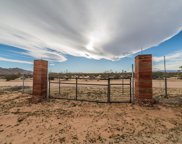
x,y
81,64
90,36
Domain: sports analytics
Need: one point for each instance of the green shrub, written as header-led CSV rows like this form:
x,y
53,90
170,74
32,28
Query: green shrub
x,y
51,78
11,77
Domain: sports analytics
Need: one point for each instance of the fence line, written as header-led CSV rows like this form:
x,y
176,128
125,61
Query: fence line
x,y
22,85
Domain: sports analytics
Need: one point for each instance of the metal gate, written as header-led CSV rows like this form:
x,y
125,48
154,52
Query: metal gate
x,y
91,90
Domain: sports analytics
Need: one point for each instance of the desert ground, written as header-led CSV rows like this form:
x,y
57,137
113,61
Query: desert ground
x,y
60,121
63,121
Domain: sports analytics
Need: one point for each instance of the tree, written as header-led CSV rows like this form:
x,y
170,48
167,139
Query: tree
x,y
179,73
11,77
180,68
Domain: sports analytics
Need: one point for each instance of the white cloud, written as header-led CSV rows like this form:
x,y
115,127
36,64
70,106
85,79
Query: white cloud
x,y
174,56
14,61
108,29
52,64
172,61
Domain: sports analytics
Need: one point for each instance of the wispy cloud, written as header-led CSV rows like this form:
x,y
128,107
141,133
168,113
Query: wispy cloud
x,y
172,61
52,64
14,61
93,29
174,56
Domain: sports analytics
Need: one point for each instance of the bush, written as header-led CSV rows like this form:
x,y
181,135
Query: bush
x,y
179,76
51,78
11,77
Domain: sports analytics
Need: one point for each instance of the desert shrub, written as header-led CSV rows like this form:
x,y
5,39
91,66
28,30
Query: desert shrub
x,y
51,78
179,76
11,77
15,88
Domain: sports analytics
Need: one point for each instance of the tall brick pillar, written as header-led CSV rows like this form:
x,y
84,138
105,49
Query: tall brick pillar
x,y
143,79
40,80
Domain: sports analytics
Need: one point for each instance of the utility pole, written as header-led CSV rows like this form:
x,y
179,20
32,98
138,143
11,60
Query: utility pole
x,y
141,50
165,77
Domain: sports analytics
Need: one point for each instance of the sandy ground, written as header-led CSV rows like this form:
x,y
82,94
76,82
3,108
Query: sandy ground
x,y
60,121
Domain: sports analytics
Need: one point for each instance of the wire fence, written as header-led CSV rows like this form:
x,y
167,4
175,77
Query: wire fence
x,y
166,83
67,87
173,87
22,84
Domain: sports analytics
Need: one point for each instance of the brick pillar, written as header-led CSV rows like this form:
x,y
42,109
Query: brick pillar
x,y
40,80
143,79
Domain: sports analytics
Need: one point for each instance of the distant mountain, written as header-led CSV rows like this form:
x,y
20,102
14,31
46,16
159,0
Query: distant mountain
x,y
10,71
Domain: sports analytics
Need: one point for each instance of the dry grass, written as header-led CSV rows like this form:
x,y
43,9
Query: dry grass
x,y
12,89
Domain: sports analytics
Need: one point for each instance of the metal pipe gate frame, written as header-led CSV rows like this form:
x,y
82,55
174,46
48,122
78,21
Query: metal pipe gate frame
x,y
108,85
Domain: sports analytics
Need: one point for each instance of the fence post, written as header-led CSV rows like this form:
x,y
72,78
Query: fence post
x,y
132,84
76,88
49,86
109,92
59,85
122,82
47,95
165,77
130,89
23,84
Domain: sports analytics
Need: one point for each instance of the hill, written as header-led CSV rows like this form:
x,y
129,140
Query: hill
x,y
13,71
